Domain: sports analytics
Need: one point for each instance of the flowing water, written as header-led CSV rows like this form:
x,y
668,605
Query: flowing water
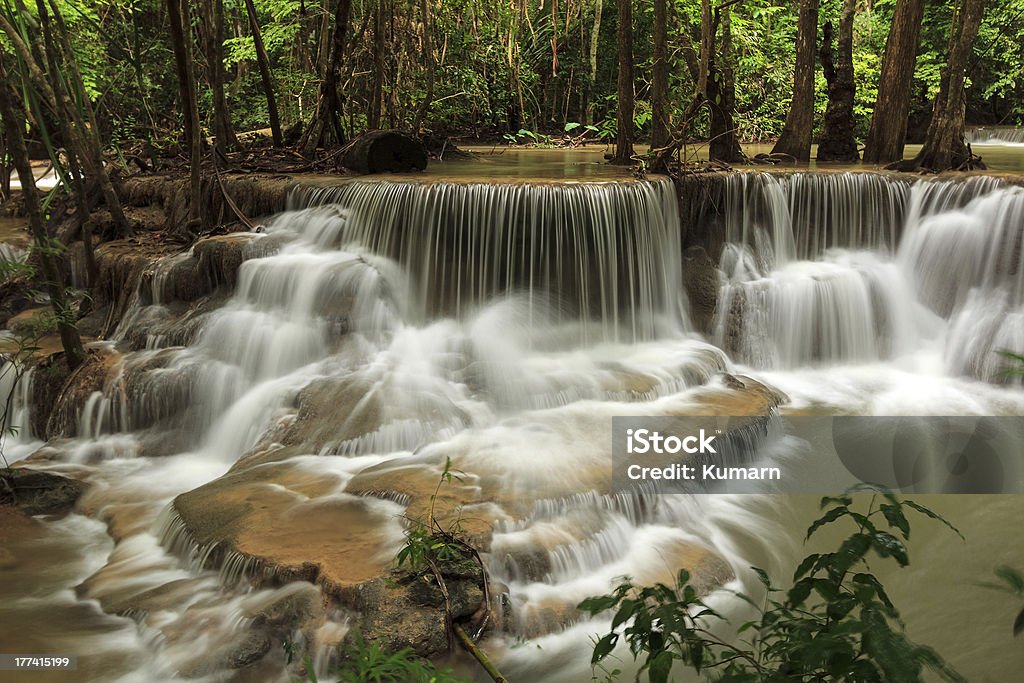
x,y
503,325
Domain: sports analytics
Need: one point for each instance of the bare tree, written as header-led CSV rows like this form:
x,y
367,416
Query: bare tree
x,y
13,115
838,141
326,124
263,62
660,136
795,140
944,146
624,115
888,131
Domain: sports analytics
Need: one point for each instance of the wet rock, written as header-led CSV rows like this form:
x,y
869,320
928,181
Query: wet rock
x,y
40,493
47,381
701,280
95,374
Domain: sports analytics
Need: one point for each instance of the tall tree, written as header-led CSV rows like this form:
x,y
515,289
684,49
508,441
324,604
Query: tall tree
x,y
721,93
838,141
13,116
624,113
795,140
944,146
429,63
325,127
263,62
659,79
888,131
181,43
213,33
595,34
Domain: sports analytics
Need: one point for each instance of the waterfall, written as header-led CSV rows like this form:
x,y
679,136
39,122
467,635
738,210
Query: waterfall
x,y
378,328
608,252
995,135
860,267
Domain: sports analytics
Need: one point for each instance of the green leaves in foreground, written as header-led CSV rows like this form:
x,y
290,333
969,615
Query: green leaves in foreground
x,y
836,622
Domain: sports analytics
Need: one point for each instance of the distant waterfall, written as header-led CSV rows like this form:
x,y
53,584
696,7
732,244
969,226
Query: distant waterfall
x,y
843,268
608,252
995,135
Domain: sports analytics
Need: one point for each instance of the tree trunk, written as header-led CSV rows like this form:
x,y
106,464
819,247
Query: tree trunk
x,y
223,131
181,41
326,125
888,131
377,92
55,57
595,33
13,115
88,131
660,136
944,146
263,62
431,66
385,151
624,113
5,169
838,142
724,144
795,140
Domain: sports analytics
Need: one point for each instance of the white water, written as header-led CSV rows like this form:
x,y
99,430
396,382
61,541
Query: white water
x,y
503,326
995,135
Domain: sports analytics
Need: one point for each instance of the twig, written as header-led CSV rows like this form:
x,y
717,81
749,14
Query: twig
x,y
478,654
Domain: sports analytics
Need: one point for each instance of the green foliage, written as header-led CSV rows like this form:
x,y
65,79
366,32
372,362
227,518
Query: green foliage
x,y
1011,581
370,662
426,542
835,623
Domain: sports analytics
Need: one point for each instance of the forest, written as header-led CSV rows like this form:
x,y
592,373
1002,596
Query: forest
x,y
856,75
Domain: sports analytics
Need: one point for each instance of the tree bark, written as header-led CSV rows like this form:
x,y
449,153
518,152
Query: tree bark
x,y
888,131
795,140
944,146
263,62
624,113
223,131
838,141
377,91
13,115
86,131
724,144
431,66
181,41
326,125
660,136
595,33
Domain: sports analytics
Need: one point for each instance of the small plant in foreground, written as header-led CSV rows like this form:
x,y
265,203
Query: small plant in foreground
x,y
836,623
364,662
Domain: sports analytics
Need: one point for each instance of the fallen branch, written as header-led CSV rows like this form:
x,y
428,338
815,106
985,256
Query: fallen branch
x,y
478,654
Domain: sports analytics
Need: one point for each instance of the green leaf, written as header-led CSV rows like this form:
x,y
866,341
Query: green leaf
x,y
934,515
660,667
894,515
887,545
827,518
604,647
805,566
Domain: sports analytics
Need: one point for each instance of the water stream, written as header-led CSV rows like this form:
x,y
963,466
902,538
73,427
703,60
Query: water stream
x,y
503,325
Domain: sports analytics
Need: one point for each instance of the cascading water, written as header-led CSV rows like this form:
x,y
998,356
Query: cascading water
x,y
386,326
995,135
